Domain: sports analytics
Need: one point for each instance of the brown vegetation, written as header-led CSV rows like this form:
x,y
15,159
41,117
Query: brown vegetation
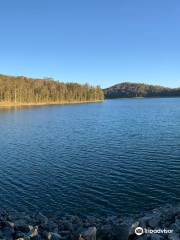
x,y
27,91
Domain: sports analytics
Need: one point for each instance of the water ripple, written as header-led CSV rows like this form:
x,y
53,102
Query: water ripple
x,y
118,157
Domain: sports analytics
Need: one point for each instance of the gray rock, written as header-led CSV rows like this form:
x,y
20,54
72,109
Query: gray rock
x,y
3,215
7,224
174,236
133,227
52,226
121,232
177,225
154,222
44,234
19,234
33,232
75,220
37,237
41,219
68,225
144,222
20,225
8,232
143,237
65,233
104,232
54,236
156,237
89,234
168,214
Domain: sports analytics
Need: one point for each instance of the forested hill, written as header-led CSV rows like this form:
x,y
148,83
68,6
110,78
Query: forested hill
x,y
130,90
22,90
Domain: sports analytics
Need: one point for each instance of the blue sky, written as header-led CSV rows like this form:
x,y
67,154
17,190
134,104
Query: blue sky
x,y
101,42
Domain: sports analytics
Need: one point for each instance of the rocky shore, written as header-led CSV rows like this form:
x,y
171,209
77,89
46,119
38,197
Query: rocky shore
x,y
162,223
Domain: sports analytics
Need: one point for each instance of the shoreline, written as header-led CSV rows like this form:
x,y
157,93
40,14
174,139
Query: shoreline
x,y
157,224
12,105
168,97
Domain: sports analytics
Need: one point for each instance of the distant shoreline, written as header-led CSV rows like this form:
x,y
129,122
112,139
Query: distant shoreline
x,y
9,104
12,105
131,90
141,97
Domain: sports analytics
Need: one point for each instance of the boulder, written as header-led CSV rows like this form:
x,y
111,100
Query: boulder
x,y
34,232
19,234
177,225
41,219
20,225
120,232
8,232
67,226
104,232
156,237
133,227
54,236
89,234
7,224
174,236
154,221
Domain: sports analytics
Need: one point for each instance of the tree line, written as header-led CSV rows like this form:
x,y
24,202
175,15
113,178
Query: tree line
x,y
130,90
27,90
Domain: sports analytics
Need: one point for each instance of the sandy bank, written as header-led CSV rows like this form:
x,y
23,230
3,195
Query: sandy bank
x,y
9,104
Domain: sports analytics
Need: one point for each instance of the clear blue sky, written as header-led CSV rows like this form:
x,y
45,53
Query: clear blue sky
x,y
97,41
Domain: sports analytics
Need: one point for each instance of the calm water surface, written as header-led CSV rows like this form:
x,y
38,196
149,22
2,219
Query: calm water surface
x,y
120,156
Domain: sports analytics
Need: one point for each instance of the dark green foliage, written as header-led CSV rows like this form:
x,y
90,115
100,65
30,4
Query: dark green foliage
x,y
130,90
27,90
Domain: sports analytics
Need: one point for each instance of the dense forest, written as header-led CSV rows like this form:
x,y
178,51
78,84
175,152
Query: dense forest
x,y
22,90
130,90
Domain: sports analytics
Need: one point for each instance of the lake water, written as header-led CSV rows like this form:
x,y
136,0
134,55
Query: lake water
x,y
116,157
